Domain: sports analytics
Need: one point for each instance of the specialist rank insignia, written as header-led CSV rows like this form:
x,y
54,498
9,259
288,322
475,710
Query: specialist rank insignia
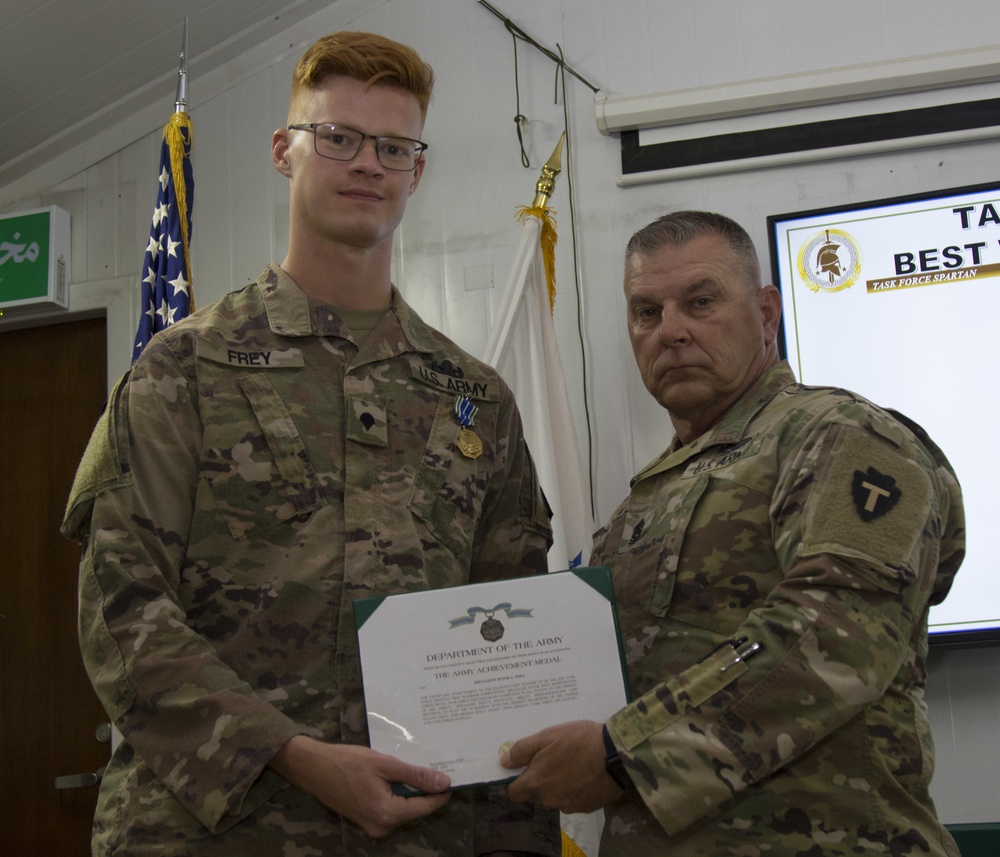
x,y
469,443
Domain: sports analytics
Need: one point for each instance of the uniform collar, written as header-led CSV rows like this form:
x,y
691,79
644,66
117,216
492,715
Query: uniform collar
x,y
291,312
733,425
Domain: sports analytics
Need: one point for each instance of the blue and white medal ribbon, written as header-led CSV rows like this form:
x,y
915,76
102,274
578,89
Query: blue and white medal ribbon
x,y
469,443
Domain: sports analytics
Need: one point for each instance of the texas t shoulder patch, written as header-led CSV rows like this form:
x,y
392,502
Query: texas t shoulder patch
x,y
874,493
867,499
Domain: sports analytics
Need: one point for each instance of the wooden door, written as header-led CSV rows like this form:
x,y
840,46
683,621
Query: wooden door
x,y
52,389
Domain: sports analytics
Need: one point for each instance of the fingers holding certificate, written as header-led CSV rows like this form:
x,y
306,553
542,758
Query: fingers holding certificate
x,y
565,768
453,677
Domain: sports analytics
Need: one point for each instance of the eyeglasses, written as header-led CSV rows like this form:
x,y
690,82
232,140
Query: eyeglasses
x,y
343,144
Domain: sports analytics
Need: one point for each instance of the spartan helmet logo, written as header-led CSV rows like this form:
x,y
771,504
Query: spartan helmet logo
x,y
830,261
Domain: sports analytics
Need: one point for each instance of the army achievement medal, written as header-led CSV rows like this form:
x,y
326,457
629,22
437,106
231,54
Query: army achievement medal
x,y
491,629
469,443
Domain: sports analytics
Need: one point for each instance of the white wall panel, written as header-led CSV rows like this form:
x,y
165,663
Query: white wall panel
x,y
249,167
215,218
279,89
963,704
101,202
136,193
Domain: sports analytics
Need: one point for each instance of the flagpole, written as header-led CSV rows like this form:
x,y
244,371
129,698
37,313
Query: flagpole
x,y
167,293
180,105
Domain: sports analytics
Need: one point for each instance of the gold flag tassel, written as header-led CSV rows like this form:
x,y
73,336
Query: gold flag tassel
x,y
547,240
543,190
179,133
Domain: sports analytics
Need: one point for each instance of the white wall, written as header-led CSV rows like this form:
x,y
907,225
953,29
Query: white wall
x,y
460,225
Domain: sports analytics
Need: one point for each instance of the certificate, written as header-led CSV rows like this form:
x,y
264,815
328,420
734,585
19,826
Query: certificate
x,y
453,676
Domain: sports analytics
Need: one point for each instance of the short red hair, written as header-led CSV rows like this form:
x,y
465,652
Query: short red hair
x,y
367,57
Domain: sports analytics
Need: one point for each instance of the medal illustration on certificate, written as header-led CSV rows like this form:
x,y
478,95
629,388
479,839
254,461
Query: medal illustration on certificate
x,y
469,443
492,629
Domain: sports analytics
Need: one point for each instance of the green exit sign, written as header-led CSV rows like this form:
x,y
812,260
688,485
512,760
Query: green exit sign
x,y
34,259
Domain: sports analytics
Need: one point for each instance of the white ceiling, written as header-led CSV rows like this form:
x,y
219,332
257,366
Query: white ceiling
x,y
70,67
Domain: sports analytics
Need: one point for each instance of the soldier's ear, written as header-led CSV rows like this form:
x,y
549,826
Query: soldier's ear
x,y
280,146
769,302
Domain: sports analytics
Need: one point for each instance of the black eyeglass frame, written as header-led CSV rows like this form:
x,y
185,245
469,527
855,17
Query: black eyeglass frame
x,y
314,126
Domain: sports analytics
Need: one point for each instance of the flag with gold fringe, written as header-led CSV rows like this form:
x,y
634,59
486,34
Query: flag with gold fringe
x,y
166,266
522,347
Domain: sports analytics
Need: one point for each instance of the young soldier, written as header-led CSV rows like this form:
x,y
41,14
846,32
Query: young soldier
x,y
268,460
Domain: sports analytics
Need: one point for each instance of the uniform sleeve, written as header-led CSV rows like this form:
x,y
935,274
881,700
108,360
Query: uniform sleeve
x,y
862,520
200,728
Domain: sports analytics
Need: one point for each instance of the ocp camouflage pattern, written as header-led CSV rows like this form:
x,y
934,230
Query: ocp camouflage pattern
x,y
254,473
821,527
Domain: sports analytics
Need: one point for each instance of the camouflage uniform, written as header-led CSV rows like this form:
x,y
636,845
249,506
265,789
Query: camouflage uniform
x,y
253,474
819,526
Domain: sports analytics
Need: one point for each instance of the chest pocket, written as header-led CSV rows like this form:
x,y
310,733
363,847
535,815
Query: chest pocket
x,y
255,460
449,487
652,538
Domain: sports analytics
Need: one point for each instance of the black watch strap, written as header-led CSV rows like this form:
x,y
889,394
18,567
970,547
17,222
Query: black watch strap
x,y
614,765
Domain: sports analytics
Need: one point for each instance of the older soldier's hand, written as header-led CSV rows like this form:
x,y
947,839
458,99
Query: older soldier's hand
x,y
356,782
565,768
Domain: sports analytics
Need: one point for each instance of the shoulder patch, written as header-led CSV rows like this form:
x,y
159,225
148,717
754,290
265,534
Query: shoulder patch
x,y
868,499
875,494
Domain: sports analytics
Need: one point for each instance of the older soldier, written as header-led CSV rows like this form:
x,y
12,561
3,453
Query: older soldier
x,y
773,570
268,460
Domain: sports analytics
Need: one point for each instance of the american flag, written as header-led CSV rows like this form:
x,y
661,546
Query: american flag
x,y
166,266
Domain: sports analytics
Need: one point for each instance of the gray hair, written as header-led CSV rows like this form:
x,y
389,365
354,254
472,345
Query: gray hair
x,y
679,227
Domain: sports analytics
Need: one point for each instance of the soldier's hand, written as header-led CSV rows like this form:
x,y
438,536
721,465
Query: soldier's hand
x,y
565,768
356,782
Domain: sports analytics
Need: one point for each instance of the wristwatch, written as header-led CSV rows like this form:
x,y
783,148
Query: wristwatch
x,y
613,763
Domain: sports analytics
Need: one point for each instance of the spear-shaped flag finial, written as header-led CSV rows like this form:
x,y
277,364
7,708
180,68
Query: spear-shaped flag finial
x,y
180,105
547,180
